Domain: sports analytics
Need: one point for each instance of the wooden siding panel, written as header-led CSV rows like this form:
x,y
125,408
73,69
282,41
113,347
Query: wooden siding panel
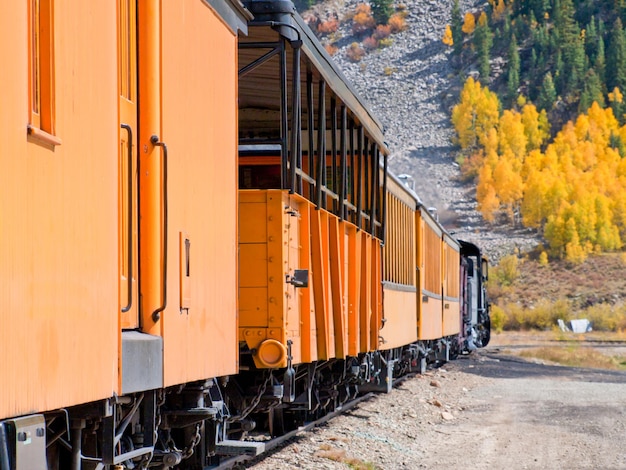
x,y
199,125
58,241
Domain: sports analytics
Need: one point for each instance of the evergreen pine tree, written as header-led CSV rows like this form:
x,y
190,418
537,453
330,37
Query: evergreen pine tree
x,y
560,75
547,94
599,63
591,40
457,27
569,43
578,64
381,10
514,69
592,91
616,58
483,40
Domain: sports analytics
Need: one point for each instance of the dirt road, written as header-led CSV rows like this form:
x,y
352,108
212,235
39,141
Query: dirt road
x,y
488,410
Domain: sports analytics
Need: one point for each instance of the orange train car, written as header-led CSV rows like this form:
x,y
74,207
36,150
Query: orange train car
x,y
346,280
116,286
311,219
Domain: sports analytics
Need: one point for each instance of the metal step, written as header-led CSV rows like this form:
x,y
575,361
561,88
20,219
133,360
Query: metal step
x,y
232,447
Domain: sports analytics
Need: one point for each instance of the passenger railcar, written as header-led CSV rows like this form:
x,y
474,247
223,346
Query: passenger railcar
x,y
200,237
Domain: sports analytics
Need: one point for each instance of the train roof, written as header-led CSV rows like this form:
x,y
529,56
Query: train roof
x,y
281,16
233,13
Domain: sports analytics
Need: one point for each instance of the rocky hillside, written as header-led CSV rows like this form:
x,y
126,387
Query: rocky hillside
x,y
412,87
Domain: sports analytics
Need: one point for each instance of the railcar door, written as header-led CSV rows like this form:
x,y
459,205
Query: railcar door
x,y
127,82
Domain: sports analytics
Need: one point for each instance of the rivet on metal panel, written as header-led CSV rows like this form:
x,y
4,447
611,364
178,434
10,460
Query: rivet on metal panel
x,y
248,333
271,279
272,300
270,218
259,333
270,238
270,259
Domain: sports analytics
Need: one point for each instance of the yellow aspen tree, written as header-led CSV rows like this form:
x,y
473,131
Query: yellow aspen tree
x,y
469,23
607,238
488,202
536,126
574,251
477,112
447,36
499,8
533,203
511,135
554,234
508,183
619,213
583,212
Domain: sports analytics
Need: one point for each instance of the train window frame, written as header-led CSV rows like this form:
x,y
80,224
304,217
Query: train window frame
x,y
41,90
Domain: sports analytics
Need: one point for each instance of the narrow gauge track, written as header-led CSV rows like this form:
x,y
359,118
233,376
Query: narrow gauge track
x,y
237,462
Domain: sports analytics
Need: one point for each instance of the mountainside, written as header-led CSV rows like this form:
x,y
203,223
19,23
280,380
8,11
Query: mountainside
x,y
411,86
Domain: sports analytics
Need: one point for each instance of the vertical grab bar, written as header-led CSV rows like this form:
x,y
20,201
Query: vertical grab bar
x,y
129,129
154,140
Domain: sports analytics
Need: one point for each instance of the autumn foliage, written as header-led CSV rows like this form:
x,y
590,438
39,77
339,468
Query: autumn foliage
x,y
572,189
328,27
355,52
447,39
363,20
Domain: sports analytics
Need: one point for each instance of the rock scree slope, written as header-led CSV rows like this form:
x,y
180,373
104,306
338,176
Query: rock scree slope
x,y
411,87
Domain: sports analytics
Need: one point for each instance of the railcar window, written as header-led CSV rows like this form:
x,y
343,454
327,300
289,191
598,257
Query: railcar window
x,y
41,72
399,254
432,260
452,272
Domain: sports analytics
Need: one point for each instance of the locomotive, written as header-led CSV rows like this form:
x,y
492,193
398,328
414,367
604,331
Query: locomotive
x,y
201,238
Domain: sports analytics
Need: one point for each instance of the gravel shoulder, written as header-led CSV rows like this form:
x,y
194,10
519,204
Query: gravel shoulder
x,y
486,410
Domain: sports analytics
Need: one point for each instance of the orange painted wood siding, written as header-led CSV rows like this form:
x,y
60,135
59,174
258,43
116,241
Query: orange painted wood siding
x,y
452,272
199,126
430,302
58,224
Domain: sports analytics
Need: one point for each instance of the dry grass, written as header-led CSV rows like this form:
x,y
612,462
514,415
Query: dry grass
x,y
339,455
566,348
574,355
527,294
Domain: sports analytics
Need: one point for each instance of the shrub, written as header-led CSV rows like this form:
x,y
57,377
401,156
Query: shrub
x,y
506,272
385,42
369,43
470,166
363,20
543,316
382,32
514,314
498,318
397,23
605,317
388,70
331,49
355,52
327,27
